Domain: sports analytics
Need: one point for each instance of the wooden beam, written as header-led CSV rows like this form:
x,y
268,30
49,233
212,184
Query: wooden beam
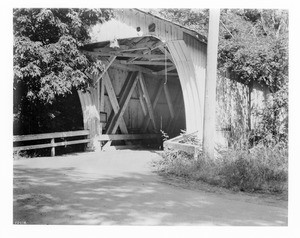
x,y
48,145
50,135
146,63
110,61
158,44
168,74
146,47
147,99
123,48
173,121
148,118
121,95
114,101
162,72
179,107
188,148
124,100
141,99
128,136
169,100
166,52
101,100
120,54
132,67
101,93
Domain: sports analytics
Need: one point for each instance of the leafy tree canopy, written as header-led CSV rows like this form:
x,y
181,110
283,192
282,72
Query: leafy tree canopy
x,y
253,43
47,61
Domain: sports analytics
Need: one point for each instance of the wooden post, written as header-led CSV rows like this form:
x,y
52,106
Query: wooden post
x,y
101,103
52,148
210,83
148,118
169,100
147,99
140,94
250,88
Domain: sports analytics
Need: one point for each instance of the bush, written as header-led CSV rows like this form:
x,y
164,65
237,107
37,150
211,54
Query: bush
x,y
262,168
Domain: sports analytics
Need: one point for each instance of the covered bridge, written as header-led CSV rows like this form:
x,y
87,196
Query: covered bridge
x,y
153,80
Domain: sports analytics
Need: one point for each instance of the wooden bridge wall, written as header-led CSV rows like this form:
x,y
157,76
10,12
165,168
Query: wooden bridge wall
x,y
189,55
133,116
194,57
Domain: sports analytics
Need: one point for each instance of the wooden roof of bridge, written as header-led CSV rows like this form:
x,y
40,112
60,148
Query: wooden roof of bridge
x,y
147,54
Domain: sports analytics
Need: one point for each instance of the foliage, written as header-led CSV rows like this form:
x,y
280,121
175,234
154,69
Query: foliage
x,y
48,66
164,135
191,139
273,126
195,19
253,49
63,114
262,169
47,61
254,46
252,43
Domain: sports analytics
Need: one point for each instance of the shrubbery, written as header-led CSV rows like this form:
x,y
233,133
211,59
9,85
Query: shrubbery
x,y
261,169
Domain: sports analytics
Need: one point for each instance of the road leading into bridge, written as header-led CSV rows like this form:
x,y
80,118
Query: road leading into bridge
x,y
119,188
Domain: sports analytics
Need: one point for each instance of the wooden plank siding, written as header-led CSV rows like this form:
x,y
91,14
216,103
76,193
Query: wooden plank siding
x,y
164,29
187,78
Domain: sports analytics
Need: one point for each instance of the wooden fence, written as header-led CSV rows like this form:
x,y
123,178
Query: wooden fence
x,y
52,137
174,144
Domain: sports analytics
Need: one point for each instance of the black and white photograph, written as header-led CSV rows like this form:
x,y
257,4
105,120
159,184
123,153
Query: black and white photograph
x,y
155,116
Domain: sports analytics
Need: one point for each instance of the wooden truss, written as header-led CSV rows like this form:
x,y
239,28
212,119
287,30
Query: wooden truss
x,y
134,81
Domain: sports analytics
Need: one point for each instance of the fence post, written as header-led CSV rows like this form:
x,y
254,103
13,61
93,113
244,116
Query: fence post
x,y
53,148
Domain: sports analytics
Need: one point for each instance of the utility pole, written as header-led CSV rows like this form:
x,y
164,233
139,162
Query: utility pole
x,y
210,84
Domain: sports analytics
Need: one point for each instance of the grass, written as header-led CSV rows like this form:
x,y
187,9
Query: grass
x,y
261,169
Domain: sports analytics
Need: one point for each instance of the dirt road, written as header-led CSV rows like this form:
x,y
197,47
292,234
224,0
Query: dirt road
x,y
118,188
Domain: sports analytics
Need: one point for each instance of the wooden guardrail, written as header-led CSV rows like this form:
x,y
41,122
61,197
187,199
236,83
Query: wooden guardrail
x,y
52,137
174,144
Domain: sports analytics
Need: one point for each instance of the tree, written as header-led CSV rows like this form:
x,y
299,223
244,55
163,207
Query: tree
x,y
47,62
195,19
253,46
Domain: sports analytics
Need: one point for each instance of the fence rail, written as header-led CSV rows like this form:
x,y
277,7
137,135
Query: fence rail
x,y
174,144
52,136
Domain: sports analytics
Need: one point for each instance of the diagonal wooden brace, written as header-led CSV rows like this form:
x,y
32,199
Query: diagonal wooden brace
x,y
147,99
114,101
169,100
124,101
148,118
110,61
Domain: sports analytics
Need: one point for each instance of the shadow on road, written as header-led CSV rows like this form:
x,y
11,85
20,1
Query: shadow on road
x,y
68,196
